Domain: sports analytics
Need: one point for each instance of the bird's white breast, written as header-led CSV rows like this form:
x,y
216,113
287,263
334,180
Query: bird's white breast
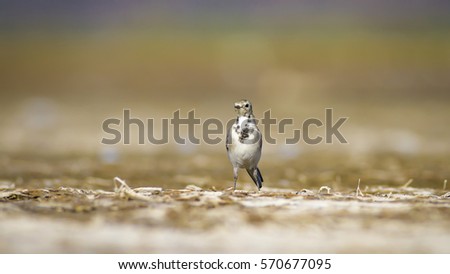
x,y
245,153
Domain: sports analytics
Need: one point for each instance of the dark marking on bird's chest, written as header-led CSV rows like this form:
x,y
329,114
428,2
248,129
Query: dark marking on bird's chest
x,y
245,132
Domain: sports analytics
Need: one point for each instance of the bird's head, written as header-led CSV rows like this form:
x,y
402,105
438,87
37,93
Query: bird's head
x,y
243,108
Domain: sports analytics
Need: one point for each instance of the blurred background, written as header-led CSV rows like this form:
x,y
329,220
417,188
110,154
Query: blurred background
x,y
67,66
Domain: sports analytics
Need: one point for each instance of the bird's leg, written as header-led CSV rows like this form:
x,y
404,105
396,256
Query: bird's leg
x,y
235,173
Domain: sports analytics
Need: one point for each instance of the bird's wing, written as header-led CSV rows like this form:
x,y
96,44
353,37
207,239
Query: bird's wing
x,y
259,136
228,141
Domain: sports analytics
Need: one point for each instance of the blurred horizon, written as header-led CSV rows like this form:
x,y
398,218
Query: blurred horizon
x,y
67,66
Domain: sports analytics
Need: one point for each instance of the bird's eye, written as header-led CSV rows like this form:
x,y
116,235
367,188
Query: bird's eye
x,y
246,105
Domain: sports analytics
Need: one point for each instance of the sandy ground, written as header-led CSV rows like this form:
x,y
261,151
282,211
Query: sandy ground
x,y
192,219
57,195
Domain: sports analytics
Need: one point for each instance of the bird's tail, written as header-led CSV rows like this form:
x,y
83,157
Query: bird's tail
x,y
255,174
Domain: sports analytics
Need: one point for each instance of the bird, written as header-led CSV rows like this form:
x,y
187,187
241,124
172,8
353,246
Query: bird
x,y
244,143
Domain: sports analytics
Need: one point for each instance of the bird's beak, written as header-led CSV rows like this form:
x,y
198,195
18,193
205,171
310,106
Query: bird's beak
x,y
237,106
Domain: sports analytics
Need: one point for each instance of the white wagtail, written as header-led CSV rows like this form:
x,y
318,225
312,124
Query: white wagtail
x,y
244,143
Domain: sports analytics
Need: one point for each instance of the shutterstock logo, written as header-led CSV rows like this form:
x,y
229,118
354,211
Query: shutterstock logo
x,y
213,130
